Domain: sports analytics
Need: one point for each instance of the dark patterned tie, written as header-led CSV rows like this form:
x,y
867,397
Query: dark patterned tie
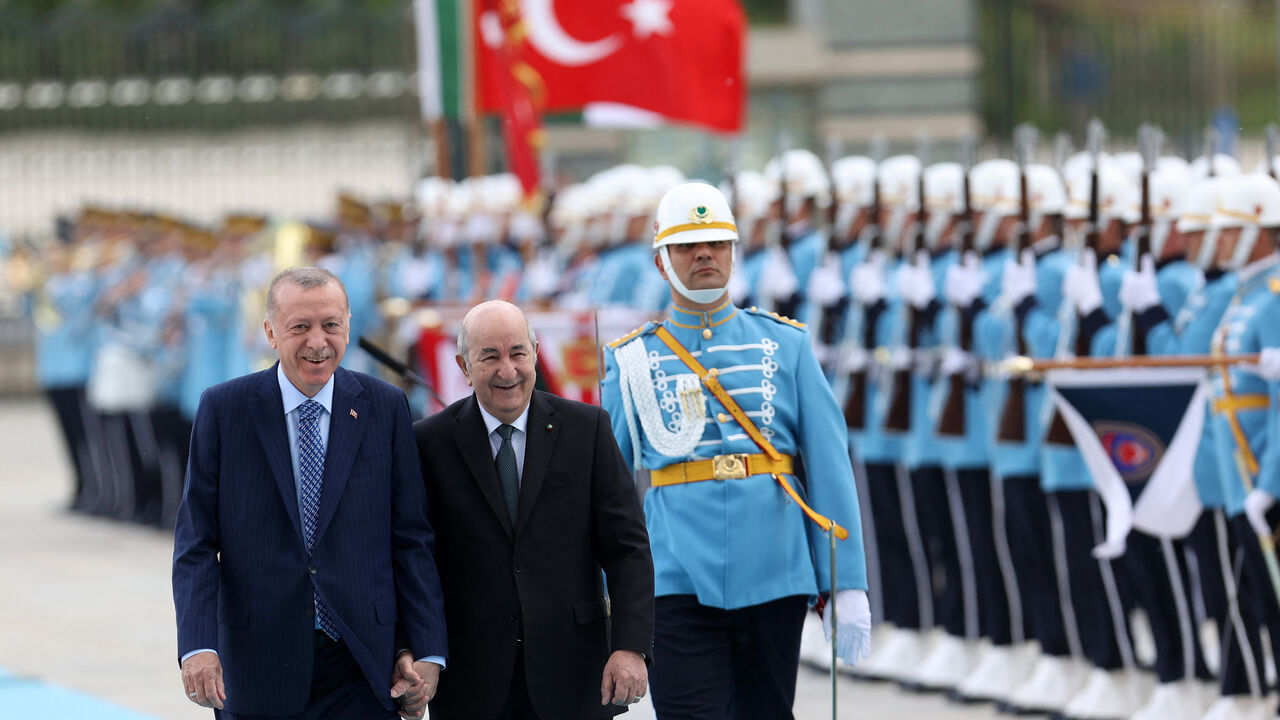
x,y
508,473
311,468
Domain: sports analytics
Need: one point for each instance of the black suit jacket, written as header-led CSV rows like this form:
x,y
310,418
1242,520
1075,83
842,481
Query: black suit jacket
x,y
539,582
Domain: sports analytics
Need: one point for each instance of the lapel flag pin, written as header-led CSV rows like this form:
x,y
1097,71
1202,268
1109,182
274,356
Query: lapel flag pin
x,y
354,415
550,426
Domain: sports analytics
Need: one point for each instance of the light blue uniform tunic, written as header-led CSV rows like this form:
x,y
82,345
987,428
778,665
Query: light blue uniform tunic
x,y
736,543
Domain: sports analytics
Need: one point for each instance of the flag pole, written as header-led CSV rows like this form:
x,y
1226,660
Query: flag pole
x,y
1023,365
831,608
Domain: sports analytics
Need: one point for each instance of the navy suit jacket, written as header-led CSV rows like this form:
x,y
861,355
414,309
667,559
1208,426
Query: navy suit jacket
x,y
242,579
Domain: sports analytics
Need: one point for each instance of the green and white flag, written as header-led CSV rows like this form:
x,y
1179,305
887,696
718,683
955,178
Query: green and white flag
x,y
442,41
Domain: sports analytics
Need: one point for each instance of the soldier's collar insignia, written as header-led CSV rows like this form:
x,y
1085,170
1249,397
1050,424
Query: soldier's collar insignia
x,y
1273,284
701,215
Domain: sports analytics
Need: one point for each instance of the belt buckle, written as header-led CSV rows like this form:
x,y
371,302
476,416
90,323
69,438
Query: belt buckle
x,y
729,467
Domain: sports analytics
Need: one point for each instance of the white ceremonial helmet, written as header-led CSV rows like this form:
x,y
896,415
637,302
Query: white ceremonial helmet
x,y
1117,194
431,195
854,178
752,197
1129,163
943,197
500,194
994,190
1223,165
899,178
1046,193
1081,163
1250,202
1167,188
690,213
804,175
1198,204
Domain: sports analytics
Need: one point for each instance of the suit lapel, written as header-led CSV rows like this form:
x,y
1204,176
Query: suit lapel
x,y
268,416
346,431
540,439
472,439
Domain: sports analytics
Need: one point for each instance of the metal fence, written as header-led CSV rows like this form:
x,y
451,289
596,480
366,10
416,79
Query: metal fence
x,y
1182,64
247,62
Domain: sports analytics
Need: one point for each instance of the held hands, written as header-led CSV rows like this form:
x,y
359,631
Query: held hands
x,y
625,678
1138,290
1018,281
202,678
1256,505
853,625
413,684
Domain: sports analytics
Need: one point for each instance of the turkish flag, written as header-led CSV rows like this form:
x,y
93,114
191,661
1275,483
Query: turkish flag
x,y
681,59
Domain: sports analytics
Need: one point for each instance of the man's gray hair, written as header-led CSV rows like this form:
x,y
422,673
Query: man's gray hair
x,y
464,342
305,278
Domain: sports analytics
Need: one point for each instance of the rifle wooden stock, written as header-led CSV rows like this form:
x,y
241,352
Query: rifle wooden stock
x,y
951,422
855,403
1013,421
898,418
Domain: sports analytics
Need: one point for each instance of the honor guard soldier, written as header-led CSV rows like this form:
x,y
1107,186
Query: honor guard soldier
x,y
724,406
1243,238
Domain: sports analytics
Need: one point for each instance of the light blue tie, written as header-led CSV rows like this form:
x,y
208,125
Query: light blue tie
x,y
311,468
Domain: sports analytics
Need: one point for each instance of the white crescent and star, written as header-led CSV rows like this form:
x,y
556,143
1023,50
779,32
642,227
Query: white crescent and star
x,y
552,41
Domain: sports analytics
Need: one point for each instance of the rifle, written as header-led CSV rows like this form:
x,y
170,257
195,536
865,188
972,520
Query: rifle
x,y
898,418
1013,421
862,322
1058,434
822,321
951,422
1148,145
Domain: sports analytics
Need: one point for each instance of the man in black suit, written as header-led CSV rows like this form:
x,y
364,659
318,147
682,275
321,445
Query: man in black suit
x,y
533,510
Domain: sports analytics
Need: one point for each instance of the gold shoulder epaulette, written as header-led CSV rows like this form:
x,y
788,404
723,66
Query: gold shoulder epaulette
x,y
627,338
776,316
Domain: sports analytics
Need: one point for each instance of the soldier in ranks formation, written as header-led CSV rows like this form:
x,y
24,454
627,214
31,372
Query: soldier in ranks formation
x,y
989,563
997,577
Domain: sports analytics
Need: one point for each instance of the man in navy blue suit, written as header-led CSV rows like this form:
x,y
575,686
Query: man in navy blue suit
x,y
303,569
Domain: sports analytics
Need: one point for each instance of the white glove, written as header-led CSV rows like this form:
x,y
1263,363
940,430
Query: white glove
x,y
1018,281
1269,363
854,359
1256,505
964,281
914,282
825,286
1080,285
866,281
853,629
1138,290
779,281
954,362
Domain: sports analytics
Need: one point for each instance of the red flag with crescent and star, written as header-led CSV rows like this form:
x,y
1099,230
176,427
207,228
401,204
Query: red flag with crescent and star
x,y
679,60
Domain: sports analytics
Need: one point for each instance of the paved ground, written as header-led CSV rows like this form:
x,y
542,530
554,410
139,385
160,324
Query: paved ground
x,y
88,628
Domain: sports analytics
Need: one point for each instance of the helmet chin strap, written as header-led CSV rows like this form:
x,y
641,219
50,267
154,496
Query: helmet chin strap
x,y
1244,247
701,297
1208,248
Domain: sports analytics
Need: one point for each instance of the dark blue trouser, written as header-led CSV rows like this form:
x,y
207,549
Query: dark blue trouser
x,y
715,663
339,689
